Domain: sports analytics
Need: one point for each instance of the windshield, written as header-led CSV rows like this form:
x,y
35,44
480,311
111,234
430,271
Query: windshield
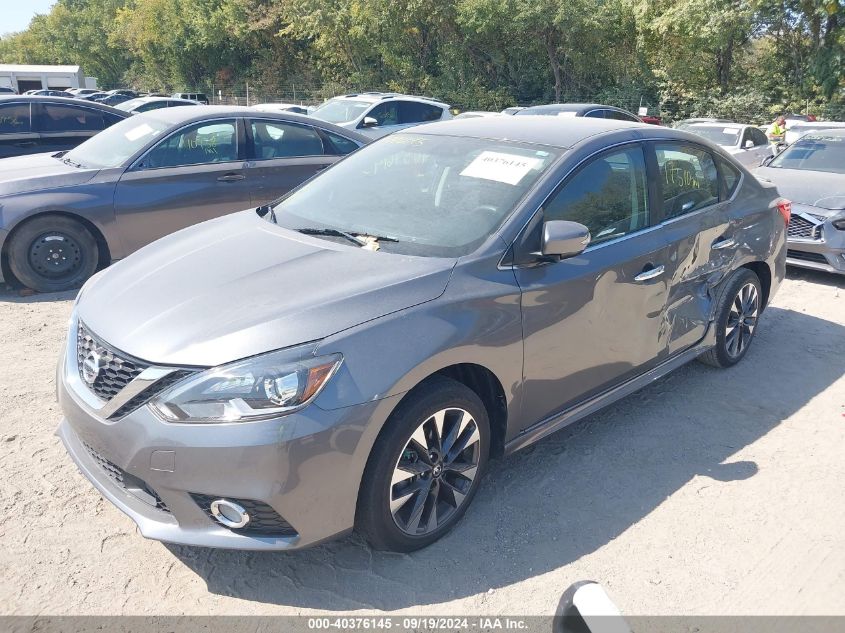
x,y
116,144
430,195
719,134
340,110
814,152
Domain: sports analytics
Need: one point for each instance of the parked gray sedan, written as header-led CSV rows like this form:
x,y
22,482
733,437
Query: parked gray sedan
x,y
356,353
66,214
811,173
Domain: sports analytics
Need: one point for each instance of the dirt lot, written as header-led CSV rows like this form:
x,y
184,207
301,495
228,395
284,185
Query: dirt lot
x,y
709,492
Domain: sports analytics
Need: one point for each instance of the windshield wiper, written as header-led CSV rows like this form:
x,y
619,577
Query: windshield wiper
x,y
264,209
72,163
332,233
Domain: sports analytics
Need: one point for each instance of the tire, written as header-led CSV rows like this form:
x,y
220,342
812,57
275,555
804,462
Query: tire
x,y
398,474
52,253
737,315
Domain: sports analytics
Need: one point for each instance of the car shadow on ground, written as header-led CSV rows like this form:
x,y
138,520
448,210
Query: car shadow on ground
x,y
18,295
816,276
570,494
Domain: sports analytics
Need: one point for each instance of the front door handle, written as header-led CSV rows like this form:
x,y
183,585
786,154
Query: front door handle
x,y
650,272
233,177
725,242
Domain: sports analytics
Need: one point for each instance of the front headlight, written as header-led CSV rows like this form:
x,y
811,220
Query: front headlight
x,y
257,388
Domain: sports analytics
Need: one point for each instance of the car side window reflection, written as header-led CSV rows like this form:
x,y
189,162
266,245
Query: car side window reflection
x,y
198,144
688,178
14,118
609,196
272,139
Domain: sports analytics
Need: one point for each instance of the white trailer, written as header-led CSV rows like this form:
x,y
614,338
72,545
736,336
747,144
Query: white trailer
x,y
23,77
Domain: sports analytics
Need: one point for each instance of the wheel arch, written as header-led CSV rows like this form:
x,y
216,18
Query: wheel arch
x,y
764,274
103,250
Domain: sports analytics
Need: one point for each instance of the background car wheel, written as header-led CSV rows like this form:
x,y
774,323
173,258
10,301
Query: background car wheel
x,y
425,467
736,319
52,253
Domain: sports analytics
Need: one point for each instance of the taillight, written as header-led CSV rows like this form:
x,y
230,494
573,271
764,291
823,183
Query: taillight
x,y
784,207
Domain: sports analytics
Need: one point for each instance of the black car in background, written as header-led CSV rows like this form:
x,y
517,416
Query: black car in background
x,y
591,110
7,90
31,125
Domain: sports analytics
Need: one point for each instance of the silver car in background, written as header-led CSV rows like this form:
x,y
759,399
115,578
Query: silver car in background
x,y
746,143
354,354
811,173
376,114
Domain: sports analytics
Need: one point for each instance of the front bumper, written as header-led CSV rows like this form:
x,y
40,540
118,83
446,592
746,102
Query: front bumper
x,y
823,249
306,466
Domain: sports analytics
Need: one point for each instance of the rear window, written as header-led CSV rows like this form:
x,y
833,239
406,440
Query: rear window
x,y
14,118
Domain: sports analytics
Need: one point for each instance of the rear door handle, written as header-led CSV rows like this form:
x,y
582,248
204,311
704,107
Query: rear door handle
x,y
725,242
649,273
231,177
25,144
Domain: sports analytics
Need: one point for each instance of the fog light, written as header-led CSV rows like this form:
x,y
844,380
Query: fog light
x,y
229,514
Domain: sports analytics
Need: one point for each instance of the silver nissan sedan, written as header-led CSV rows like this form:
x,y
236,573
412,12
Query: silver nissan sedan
x,y
354,354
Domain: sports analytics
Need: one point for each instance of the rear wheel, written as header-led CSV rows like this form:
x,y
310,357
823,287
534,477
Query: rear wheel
x,y
736,319
52,253
425,467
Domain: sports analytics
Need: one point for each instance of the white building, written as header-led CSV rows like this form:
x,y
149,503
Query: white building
x,y
23,77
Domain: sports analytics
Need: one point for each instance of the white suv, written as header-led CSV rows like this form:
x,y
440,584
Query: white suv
x,y
376,114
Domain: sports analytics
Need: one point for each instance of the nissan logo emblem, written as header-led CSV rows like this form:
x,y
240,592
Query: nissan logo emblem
x,y
91,367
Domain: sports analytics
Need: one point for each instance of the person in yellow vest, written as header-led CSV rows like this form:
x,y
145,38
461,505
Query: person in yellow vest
x,y
776,132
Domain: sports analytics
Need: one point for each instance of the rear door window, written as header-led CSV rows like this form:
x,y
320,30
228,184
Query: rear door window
x,y
14,118
278,139
340,145
688,177
58,117
418,112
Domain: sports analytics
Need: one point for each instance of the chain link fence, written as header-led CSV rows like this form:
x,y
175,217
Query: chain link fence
x,y
740,108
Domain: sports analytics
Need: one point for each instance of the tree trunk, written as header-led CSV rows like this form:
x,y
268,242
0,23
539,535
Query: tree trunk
x,y
554,62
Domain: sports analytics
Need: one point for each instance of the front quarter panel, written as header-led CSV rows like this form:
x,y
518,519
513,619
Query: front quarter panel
x,y
477,320
92,201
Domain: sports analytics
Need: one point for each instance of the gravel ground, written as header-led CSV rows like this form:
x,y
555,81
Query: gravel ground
x,y
708,492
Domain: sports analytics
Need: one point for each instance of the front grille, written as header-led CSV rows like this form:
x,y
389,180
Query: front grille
x,y
131,484
802,228
116,369
263,520
807,257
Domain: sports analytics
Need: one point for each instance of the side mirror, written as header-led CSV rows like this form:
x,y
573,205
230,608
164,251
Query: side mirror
x,y
748,144
564,239
369,122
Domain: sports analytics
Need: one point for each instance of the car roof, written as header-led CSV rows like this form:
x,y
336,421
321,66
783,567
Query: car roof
x,y
374,97
835,132
569,107
65,100
178,116
537,129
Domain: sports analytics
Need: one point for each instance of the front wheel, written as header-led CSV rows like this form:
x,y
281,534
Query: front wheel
x,y
736,319
52,253
425,467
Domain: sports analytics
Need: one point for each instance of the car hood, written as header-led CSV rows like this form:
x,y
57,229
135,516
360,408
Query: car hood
x,y
812,188
23,174
239,286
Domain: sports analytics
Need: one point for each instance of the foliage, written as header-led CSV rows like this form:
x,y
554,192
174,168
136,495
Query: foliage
x,y
747,59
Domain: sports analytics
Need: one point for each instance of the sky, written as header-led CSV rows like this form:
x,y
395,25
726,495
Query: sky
x,y
17,13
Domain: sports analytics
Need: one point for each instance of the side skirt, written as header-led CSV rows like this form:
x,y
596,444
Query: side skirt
x,y
560,420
